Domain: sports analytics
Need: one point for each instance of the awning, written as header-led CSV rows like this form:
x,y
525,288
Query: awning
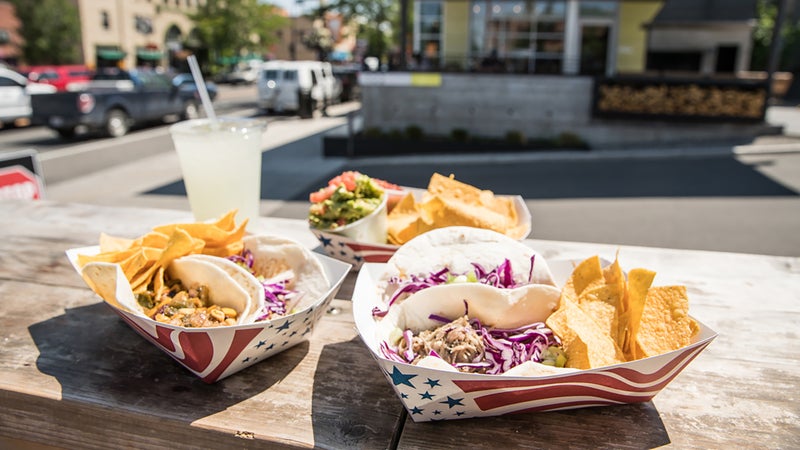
x,y
150,55
111,54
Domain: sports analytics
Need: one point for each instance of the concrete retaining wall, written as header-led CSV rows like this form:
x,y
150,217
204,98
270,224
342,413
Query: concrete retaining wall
x,y
536,106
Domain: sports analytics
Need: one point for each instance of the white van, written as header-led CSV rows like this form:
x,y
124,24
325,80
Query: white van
x,y
282,85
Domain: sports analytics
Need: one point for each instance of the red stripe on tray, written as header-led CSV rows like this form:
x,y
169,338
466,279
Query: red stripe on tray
x,y
564,390
371,248
240,340
599,378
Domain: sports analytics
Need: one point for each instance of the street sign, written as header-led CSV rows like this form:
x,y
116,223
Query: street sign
x,y
20,176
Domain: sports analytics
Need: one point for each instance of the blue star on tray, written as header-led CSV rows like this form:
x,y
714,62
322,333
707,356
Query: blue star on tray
x,y
432,383
246,359
459,413
399,378
427,395
285,326
403,395
436,412
271,346
325,241
261,344
453,401
416,410
357,258
342,244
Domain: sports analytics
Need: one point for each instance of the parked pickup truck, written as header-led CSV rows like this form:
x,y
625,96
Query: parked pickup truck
x,y
113,101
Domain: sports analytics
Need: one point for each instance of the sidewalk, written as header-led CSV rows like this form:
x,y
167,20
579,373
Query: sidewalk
x,y
126,185
750,204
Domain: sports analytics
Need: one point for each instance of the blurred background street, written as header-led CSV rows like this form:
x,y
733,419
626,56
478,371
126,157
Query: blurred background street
x,y
655,123
740,198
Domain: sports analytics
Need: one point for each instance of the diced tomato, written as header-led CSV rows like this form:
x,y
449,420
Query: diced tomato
x,y
348,179
322,194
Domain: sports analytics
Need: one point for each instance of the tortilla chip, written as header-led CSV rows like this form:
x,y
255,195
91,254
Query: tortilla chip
x,y
584,342
448,202
450,188
587,273
665,324
602,304
152,239
110,243
639,282
403,220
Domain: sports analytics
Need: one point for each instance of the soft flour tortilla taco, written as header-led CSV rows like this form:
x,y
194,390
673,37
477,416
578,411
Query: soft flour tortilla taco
x,y
460,254
289,275
475,328
199,291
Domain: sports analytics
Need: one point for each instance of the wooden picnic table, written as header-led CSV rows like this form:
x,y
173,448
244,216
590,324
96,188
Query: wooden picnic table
x,y
73,375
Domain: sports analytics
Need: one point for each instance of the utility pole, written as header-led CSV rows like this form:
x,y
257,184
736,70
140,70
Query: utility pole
x,y
403,32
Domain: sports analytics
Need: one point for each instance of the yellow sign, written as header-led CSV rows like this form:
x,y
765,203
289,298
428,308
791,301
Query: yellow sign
x,y
426,79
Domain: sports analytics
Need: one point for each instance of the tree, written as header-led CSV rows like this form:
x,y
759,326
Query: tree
x,y
374,19
51,30
762,39
319,39
234,28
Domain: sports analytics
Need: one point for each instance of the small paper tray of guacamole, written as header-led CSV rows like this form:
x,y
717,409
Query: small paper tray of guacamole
x,y
357,252
216,353
430,394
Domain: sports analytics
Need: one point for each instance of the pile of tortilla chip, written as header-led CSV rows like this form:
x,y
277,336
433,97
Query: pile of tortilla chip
x,y
144,260
604,319
448,202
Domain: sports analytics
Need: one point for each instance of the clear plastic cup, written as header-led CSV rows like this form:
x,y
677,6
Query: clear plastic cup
x,y
221,165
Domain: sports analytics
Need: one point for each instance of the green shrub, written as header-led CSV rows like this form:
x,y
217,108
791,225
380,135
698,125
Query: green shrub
x,y
515,137
414,132
373,132
570,140
459,135
395,134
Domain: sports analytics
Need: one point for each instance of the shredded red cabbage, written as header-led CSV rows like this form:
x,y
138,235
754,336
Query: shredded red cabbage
x,y
503,348
276,295
501,277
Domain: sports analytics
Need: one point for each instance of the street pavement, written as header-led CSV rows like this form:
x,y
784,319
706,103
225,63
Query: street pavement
x,y
719,198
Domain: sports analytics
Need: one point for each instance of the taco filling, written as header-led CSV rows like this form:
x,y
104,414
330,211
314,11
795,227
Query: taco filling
x,y
501,277
278,293
186,306
471,347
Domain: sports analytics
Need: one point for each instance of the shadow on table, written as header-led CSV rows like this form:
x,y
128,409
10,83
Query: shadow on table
x,y
352,405
355,407
96,357
625,426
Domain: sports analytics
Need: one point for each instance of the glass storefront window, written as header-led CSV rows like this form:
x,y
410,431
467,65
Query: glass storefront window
x,y
526,36
428,34
598,9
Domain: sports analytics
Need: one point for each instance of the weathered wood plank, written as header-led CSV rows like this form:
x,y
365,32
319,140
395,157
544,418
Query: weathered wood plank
x,y
72,373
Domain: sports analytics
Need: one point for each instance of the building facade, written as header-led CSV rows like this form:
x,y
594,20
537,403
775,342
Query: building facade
x,y
588,37
10,40
131,33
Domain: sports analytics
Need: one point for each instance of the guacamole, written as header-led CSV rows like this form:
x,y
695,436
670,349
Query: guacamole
x,y
343,203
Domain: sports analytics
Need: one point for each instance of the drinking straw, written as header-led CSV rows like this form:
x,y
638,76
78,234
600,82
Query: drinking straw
x,y
201,87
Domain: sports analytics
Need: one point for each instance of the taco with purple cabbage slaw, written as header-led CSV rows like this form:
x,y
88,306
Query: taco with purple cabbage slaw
x,y
471,300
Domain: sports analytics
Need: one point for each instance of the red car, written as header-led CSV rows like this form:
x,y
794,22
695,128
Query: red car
x,y
59,76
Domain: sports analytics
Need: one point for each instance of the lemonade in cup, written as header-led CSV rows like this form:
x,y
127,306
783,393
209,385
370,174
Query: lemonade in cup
x,y
221,163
